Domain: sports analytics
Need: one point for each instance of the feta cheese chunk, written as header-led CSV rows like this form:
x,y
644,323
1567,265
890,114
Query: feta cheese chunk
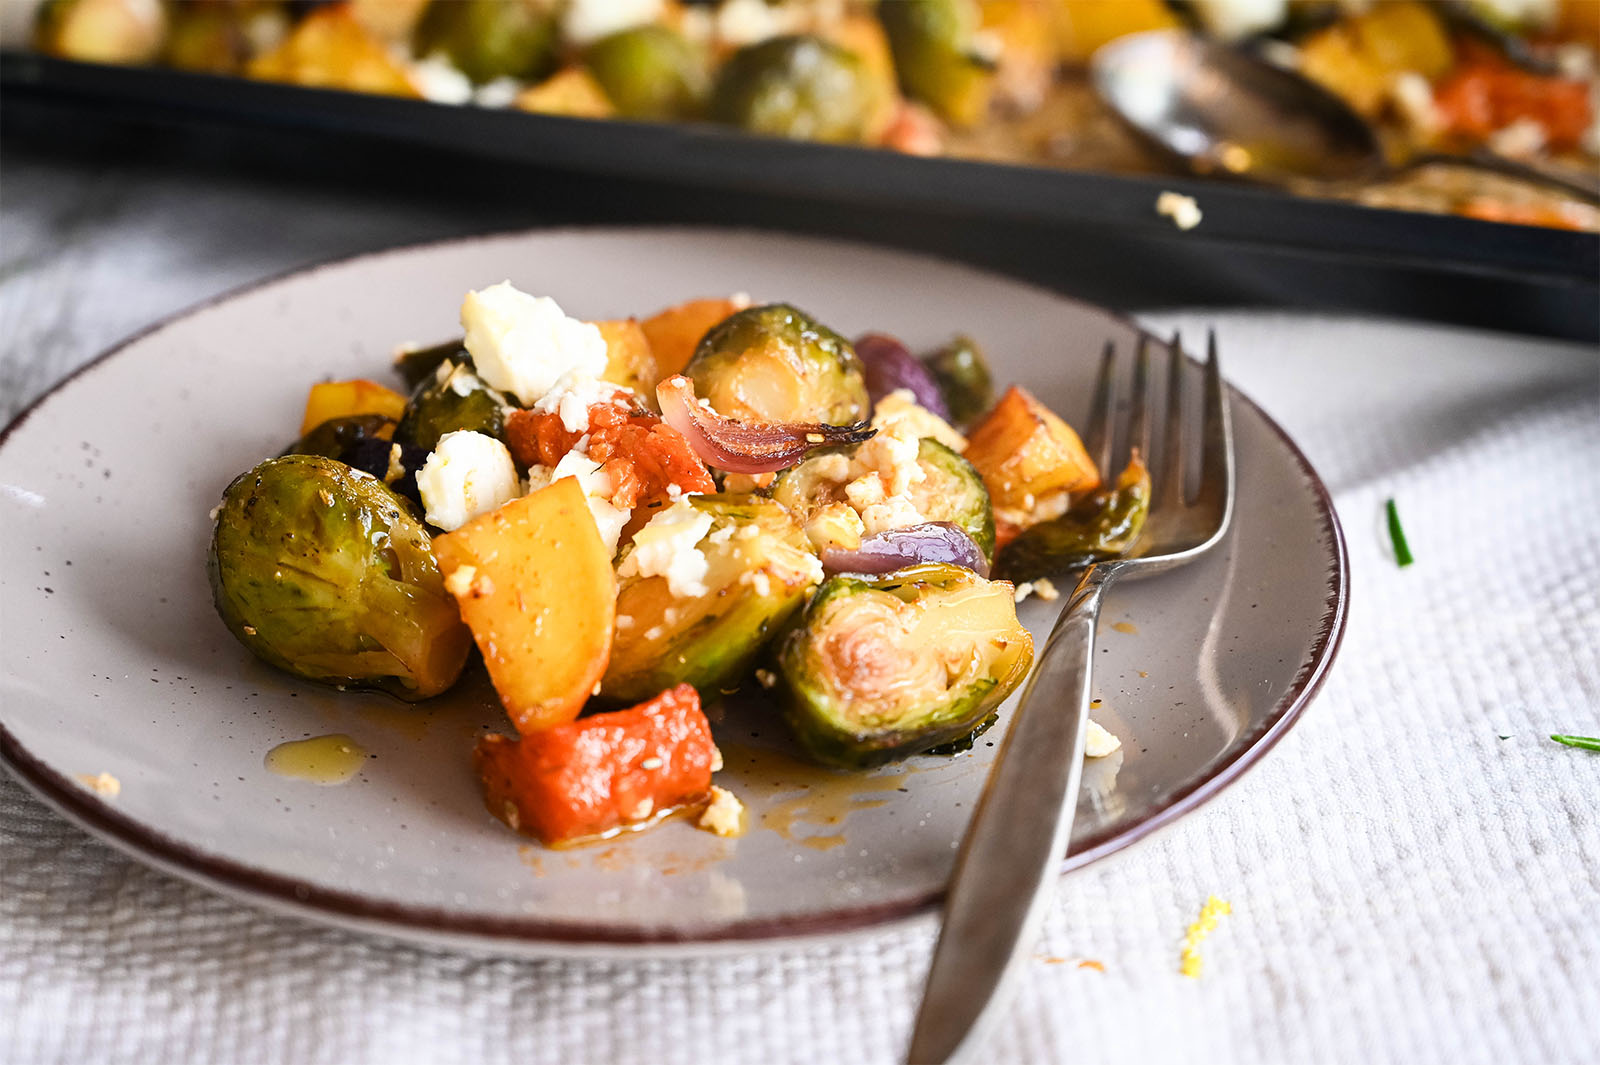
x,y
440,80
1183,210
572,397
523,344
1099,742
1233,19
724,814
597,488
666,548
586,21
900,414
468,474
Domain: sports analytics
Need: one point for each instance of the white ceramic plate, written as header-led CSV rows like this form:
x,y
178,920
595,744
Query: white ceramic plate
x,y
114,661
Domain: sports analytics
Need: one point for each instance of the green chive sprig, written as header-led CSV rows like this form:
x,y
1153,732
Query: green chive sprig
x,y
1587,743
1397,535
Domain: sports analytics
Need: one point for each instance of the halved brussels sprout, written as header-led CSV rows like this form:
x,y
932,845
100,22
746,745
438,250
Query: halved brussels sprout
x,y
963,376
454,398
319,570
760,570
800,87
650,72
886,667
775,363
489,39
1102,525
932,41
950,490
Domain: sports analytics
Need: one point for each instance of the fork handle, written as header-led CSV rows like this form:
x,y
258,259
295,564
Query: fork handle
x,y
1016,838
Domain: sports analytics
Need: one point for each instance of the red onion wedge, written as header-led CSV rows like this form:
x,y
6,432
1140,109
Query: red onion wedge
x,y
745,447
934,541
886,365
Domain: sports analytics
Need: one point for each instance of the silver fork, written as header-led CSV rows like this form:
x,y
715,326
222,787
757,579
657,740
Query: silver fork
x,y
1019,831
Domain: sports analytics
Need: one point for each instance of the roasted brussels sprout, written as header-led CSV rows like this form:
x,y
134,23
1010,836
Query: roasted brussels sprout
x,y
319,570
416,365
932,42
774,363
950,490
650,72
453,398
1100,526
800,87
886,667
334,438
963,377
759,570
489,39
365,442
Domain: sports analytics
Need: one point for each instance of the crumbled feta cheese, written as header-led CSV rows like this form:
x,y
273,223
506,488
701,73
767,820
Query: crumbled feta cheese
x,y
586,21
458,582
396,468
1022,591
1099,741
895,512
440,80
1412,97
1522,139
524,344
1233,19
724,814
716,759
665,547
572,397
900,413
468,474
742,22
597,488
834,467
501,92
1183,210
892,455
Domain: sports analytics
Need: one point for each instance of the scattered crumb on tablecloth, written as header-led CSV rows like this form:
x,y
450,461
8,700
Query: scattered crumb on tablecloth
x,y
102,784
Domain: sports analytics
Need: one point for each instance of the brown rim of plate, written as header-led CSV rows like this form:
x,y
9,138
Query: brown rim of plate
x,y
309,900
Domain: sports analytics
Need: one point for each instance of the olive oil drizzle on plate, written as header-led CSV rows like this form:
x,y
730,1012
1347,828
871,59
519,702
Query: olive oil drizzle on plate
x,y
784,793
326,760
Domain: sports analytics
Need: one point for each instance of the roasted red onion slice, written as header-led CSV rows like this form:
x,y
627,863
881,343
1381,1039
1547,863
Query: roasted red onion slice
x,y
934,541
886,365
745,447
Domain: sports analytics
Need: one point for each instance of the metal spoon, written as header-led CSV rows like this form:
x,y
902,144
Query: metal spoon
x,y
1219,110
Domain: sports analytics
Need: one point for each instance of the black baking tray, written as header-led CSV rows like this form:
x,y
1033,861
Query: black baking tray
x,y
1093,235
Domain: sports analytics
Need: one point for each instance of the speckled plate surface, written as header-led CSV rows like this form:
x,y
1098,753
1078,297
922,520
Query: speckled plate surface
x,y
113,661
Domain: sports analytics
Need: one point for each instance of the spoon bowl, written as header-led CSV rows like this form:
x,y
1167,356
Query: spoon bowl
x,y
1220,110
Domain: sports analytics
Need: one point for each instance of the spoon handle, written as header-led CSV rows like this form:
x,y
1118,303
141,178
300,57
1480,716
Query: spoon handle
x,y
1580,183
1015,842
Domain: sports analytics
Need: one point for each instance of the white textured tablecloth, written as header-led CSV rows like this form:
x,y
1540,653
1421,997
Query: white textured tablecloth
x,y
1414,871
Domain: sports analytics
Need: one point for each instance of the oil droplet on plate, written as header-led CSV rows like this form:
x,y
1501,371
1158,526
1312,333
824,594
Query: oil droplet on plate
x,y
322,760
790,793
1126,626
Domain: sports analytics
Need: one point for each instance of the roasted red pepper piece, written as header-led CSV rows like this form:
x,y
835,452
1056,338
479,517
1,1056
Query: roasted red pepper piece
x,y
602,772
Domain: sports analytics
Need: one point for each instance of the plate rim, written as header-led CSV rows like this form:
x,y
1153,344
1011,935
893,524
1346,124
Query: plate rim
x,y
437,925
